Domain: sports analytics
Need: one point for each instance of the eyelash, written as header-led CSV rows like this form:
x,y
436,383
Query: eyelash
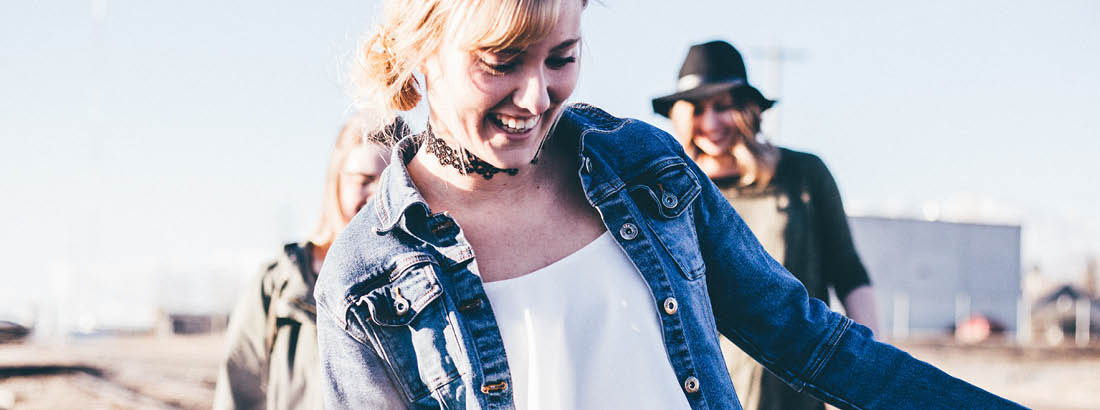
x,y
558,63
555,63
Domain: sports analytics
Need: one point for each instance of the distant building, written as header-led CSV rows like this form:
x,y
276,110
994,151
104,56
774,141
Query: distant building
x,y
928,276
190,323
1059,313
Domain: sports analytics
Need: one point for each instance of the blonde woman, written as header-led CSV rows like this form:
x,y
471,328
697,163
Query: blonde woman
x,y
525,253
271,361
787,198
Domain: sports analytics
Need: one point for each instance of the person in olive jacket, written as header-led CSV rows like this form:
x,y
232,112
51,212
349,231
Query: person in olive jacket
x,y
272,360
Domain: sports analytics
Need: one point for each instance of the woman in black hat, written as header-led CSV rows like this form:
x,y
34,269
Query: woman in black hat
x,y
788,198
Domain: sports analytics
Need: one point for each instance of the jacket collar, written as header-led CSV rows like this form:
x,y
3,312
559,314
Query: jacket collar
x,y
399,195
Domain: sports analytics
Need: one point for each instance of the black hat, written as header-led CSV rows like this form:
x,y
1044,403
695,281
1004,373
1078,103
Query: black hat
x,y
709,69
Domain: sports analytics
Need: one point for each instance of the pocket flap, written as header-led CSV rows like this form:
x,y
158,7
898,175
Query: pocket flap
x,y
399,302
667,189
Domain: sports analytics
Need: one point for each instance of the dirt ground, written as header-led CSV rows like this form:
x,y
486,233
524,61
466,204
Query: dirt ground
x,y
144,372
112,373
1040,378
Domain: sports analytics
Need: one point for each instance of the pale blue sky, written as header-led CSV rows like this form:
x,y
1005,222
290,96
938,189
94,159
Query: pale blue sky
x,y
154,140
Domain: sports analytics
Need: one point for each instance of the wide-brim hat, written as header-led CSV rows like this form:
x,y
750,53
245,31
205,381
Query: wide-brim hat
x,y
709,69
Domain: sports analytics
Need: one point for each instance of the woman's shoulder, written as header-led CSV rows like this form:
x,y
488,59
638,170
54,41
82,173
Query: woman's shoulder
x,y
358,255
618,139
587,119
801,163
797,157
287,262
805,170
346,260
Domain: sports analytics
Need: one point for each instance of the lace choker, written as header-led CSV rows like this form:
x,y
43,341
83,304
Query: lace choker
x,y
449,157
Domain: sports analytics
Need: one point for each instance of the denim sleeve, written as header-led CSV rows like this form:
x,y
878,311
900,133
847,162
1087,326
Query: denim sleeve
x,y
353,376
763,309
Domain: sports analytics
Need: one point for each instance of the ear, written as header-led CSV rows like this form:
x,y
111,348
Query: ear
x,y
431,67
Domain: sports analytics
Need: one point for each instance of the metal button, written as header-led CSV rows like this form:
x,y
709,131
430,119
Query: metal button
x,y
671,306
470,305
494,388
400,304
691,384
628,231
669,200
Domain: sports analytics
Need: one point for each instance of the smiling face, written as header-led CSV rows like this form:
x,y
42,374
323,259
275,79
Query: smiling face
x,y
499,105
710,124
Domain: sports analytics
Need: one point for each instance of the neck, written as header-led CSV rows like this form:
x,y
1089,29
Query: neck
x,y
740,162
718,166
460,159
318,256
445,187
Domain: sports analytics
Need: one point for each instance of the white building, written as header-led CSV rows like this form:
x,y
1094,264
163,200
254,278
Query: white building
x,y
928,276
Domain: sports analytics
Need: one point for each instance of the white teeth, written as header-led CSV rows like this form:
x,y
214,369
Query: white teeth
x,y
517,124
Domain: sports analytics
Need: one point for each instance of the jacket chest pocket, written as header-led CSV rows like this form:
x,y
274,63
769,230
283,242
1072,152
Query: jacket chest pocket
x,y
666,193
408,323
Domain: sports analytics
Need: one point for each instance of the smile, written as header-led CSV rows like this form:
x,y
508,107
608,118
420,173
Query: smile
x,y
515,125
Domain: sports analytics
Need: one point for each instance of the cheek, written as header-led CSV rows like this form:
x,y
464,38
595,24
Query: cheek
x,y
683,127
456,88
561,84
471,99
349,195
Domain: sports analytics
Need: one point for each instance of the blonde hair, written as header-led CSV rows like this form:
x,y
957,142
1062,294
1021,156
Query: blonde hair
x,y
352,136
756,158
384,73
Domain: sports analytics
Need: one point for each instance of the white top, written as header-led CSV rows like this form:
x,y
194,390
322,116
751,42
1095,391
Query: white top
x,y
583,333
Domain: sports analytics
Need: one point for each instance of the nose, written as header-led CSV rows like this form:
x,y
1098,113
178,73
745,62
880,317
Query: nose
x,y
532,94
708,122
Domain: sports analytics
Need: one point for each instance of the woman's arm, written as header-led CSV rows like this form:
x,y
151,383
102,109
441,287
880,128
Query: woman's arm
x,y
764,310
352,374
840,264
859,305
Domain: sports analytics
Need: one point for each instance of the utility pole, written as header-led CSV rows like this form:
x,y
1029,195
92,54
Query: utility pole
x,y
775,56
1092,277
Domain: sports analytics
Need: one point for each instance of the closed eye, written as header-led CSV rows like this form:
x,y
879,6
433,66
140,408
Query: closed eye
x,y
557,63
500,63
498,68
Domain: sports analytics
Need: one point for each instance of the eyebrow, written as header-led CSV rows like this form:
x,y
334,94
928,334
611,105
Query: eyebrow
x,y
565,44
513,52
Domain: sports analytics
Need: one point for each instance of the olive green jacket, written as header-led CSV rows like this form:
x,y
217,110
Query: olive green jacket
x,y
271,362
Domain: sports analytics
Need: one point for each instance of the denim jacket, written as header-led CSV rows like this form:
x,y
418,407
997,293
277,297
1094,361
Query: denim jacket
x,y
404,323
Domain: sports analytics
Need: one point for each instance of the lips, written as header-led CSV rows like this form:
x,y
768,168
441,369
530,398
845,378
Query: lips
x,y
514,125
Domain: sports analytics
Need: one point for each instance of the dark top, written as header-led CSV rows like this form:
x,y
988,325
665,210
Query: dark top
x,y
800,221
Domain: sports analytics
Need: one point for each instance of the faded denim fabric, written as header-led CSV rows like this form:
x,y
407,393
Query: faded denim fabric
x,y
403,323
